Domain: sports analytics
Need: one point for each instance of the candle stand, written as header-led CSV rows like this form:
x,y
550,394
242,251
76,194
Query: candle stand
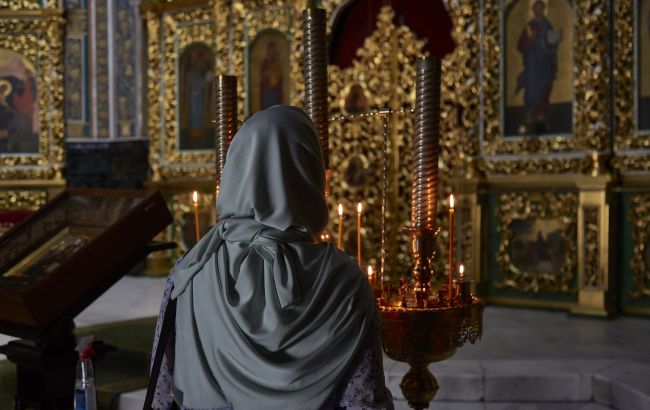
x,y
420,336
423,325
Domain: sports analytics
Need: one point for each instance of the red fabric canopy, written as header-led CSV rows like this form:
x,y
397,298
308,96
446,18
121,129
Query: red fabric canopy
x,y
426,18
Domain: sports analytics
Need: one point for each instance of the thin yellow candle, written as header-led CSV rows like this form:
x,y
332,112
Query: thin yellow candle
x,y
195,199
340,236
359,211
451,246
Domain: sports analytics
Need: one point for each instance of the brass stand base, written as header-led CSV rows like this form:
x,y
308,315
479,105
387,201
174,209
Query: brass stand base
x,y
419,386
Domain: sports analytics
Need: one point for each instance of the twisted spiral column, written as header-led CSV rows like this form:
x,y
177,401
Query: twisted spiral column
x,y
226,94
426,149
426,145
315,72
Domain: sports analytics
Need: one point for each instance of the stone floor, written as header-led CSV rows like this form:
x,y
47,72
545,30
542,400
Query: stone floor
x,y
527,359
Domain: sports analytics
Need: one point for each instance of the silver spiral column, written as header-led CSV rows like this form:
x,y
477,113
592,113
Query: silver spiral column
x,y
426,149
226,94
315,73
426,145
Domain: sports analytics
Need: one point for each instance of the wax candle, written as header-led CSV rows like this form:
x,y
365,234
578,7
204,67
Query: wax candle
x,y
371,278
464,286
340,236
451,246
359,211
195,199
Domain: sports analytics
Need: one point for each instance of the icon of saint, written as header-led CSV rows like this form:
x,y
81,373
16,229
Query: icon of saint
x,y
538,45
271,77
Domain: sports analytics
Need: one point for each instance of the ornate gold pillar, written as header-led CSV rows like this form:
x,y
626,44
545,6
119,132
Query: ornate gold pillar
x,y
594,287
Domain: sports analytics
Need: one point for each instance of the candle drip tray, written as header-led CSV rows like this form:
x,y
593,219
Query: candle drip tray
x,y
420,336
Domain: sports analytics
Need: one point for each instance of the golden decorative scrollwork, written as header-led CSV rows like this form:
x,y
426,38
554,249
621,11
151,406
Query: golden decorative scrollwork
x,y
591,127
385,68
38,36
627,136
21,4
537,205
24,199
251,17
640,221
592,276
536,165
170,29
385,65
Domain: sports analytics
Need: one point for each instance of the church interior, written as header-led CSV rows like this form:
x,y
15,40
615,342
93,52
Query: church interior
x,y
488,166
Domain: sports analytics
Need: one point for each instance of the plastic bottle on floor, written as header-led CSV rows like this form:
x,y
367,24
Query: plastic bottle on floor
x,y
85,397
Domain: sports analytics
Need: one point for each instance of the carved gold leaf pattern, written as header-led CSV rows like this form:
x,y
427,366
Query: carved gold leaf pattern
x,y
39,38
627,136
592,275
591,124
251,17
169,31
385,65
640,221
27,199
530,206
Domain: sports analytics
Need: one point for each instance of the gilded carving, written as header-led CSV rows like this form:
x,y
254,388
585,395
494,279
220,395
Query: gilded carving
x,y
627,136
385,65
250,18
385,70
592,277
640,262
519,215
169,31
591,101
26,199
38,36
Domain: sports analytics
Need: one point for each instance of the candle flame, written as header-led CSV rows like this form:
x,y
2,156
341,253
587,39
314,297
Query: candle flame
x,y
359,207
451,201
461,270
195,197
340,209
369,271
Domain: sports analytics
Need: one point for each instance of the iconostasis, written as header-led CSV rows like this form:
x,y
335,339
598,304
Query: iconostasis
x,y
545,124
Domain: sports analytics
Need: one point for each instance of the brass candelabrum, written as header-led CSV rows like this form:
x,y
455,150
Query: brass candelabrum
x,y
420,326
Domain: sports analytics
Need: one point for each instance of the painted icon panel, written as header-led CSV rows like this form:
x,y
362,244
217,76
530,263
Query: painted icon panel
x,y
537,246
196,105
19,119
538,68
268,72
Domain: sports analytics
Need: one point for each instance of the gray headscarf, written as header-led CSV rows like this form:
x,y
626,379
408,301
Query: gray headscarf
x,y
266,317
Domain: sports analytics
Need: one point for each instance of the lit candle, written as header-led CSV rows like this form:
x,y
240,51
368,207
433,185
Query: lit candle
x,y
340,236
451,246
359,210
195,199
370,276
464,286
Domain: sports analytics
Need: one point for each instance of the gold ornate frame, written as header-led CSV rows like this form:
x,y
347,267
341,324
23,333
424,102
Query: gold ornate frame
x,y
534,205
386,65
591,97
38,35
252,17
640,222
170,27
628,138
